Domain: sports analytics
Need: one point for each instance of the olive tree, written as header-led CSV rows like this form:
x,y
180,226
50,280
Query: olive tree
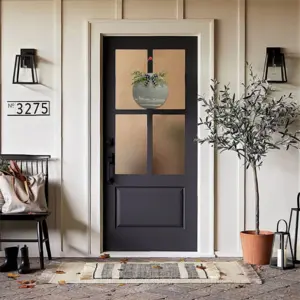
x,y
251,125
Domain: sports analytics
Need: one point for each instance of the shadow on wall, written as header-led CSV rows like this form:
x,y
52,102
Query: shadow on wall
x,y
65,230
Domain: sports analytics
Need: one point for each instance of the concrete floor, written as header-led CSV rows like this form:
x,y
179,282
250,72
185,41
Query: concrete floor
x,y
277,285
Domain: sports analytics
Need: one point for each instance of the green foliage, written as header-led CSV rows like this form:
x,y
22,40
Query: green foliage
x,y
144,78
251,125
4,166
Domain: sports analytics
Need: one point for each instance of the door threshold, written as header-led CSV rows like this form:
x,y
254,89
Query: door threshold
x,y
166,254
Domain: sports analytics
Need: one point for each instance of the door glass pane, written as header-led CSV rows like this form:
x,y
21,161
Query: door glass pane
x,y
168,144
173,63
128,61
131,144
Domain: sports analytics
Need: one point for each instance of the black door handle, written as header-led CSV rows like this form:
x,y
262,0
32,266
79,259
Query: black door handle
x,y
110,170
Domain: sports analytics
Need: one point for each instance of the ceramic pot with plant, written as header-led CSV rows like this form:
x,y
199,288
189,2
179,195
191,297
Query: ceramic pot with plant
x,y
150,90
251,125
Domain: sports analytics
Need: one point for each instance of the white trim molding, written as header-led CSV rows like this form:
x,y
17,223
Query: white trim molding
x,y
57,75
118,9
204,30
180,9
241,78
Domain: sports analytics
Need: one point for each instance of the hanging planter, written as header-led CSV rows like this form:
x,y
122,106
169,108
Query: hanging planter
x,y
150,90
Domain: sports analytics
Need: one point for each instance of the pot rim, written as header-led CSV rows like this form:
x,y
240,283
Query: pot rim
x,y
262,232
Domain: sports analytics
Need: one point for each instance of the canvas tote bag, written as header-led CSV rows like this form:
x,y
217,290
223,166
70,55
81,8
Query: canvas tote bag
x,y
22,193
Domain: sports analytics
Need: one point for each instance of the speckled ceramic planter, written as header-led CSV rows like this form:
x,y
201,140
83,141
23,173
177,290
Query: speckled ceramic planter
x,y
150,96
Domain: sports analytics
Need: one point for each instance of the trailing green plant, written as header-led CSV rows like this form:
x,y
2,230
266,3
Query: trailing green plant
x,y
145,78
4,166
251,125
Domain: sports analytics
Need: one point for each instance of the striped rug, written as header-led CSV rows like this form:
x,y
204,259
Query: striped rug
x,y
152,272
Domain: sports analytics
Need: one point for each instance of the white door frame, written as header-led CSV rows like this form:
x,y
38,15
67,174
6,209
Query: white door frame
x,y
96,29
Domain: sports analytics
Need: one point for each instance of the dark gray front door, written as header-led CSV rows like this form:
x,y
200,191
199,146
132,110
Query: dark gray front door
x,y
150,158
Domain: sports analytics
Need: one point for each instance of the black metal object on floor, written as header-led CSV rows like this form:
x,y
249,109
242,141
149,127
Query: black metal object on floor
x,y
294,227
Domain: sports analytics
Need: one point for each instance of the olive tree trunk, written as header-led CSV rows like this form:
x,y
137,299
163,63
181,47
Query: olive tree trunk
x,y
256,199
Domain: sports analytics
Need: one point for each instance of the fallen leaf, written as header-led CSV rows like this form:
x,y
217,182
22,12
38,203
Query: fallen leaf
x,y
104,256
182,260
201,267
13,275
121,284
78,273
27,286
124,260
156,267
26,282
60,272
257,268
61,282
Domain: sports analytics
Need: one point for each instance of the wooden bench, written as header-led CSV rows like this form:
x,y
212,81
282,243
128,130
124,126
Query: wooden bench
x,y
31,165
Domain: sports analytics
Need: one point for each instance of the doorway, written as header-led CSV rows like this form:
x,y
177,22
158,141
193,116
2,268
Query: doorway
x,y
149,156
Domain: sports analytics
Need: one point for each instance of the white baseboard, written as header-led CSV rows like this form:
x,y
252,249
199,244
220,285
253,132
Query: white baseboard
x,y
228,254
158,254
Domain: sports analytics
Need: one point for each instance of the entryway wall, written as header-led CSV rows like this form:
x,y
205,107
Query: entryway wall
x,y
58,30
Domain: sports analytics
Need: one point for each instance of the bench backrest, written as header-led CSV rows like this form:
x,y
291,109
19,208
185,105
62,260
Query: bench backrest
x,y
30,165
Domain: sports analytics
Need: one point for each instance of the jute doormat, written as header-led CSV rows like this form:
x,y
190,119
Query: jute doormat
x,y
151,272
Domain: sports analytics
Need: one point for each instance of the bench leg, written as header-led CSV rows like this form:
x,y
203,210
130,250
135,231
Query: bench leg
x,y
40,242
46,236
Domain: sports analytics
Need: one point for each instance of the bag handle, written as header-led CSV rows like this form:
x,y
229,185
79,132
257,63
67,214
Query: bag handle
x,y
16,173
28,191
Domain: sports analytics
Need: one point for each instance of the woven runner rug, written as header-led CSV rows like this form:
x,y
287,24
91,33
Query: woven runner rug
x,y
151,272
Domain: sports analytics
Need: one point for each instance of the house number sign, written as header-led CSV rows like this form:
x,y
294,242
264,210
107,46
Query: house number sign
x,y
28,108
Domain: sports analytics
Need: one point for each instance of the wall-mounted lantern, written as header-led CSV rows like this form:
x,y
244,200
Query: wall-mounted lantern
x,y
25,67
275,69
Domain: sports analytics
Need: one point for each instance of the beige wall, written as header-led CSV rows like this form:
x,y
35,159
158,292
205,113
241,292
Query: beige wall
x,y
275,23
36,24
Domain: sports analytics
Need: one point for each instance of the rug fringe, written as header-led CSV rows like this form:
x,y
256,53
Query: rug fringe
x,y
250,272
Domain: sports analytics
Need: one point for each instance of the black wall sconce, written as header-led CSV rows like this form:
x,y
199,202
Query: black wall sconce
x,y
275,69
25,60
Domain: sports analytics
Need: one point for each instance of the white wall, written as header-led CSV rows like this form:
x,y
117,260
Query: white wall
x,y
270,25
36,24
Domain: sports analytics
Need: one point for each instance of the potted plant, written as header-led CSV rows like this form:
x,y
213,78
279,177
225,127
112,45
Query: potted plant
x,y
251,125
150,90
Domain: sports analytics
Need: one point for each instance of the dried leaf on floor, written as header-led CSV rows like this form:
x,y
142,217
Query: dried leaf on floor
x,y
104,256
60,272
124,260
182,260
13,275
61,282
156,267
200,267
26,281
121,284
258,268
78,273
27,286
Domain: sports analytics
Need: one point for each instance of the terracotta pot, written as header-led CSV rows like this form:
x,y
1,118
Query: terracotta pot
x,y
257,249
